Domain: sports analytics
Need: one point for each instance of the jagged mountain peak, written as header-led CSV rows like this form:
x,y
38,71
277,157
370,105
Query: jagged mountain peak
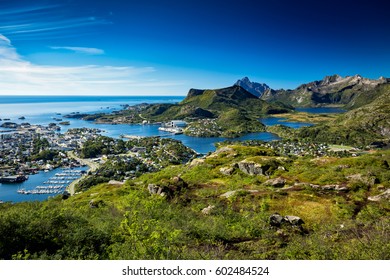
x,y
257,89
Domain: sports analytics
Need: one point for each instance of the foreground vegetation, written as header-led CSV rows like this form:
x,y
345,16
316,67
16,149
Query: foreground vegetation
x,y
216,208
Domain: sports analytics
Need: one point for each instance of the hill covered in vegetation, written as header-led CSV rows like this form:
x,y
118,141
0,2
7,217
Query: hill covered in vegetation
x,y
366,125
278,200
228,112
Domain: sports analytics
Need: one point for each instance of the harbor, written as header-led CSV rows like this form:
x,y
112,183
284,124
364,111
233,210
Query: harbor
x,y
56,184
42,185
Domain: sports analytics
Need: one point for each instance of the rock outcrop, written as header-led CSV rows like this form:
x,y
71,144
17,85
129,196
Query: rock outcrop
x,y
227,170
278,220
383,196
251,168
276,183
207,211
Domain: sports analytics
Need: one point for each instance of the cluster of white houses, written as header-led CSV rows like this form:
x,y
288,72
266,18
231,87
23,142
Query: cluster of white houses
x,y
17,145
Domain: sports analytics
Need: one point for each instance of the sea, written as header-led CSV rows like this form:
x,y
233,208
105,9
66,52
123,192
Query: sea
x,y
45,109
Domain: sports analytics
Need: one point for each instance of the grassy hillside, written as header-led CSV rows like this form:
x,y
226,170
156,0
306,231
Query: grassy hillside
x,y
212,209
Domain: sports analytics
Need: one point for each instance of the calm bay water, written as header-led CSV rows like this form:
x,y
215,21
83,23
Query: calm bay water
x,y
318,110
322,110
274,121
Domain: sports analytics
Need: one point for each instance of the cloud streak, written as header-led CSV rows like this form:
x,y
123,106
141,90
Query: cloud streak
x,y
46,20
21,77
83,50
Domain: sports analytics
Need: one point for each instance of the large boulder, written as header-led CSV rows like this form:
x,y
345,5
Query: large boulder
x,y
278,220
228,170
207,211
197,162
169,187
276,183
294,220
369,180
154,189
251,168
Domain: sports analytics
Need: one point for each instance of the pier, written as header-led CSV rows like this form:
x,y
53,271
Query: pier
x,y
56,184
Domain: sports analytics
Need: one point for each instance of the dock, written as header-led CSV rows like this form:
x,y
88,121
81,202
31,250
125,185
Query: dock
x,y
56,184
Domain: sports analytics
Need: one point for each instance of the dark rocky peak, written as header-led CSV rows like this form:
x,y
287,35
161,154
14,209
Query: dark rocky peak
x,y
257,89
234,92
195,92
244,80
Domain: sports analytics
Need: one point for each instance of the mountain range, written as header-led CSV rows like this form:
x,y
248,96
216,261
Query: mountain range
x,y
350,92
367,120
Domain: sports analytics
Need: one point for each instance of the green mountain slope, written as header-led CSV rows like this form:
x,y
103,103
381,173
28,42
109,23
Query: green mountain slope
x,y
232,97
228,112
362,126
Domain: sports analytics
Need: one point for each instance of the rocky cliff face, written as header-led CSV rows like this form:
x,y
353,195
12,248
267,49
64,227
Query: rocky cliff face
x,y
256,89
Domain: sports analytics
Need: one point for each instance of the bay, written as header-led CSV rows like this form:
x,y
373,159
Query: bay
x,y
317,110
43,109
274,121
322,110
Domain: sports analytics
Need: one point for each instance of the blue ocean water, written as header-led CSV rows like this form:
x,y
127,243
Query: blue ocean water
x,y
42,109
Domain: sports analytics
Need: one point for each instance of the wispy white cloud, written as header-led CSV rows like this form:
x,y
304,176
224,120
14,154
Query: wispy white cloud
x,y
4,40
43,20
19,76
91,51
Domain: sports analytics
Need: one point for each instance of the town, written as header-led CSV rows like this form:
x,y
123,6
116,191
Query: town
x,y
28,149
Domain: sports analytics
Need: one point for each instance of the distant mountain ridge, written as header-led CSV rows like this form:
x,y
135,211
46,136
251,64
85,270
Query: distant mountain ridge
x,y
256,89
350,91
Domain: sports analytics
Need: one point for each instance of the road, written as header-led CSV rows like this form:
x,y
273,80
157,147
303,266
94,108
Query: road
x,y
92,167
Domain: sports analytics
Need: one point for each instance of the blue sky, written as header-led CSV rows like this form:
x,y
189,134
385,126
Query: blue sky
x,y
152,47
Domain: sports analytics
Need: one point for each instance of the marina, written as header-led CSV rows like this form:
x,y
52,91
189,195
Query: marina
x,y
56,184
42,185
